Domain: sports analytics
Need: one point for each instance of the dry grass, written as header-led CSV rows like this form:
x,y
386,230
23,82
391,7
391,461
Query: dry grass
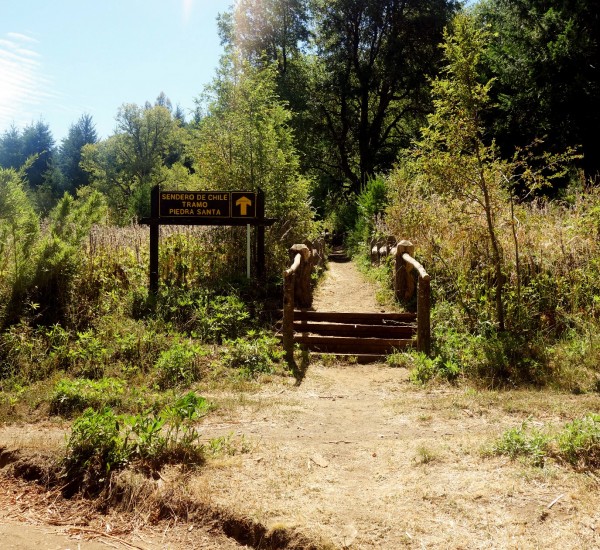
x,y
358,457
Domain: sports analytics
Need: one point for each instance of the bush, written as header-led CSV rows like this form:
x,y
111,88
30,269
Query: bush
x,y
427,369
204,316
95,449
579,442
523,442
179,365
70,396
102,442
253,354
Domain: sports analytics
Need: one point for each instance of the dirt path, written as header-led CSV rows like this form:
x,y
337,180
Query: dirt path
x,y
358,457
345,289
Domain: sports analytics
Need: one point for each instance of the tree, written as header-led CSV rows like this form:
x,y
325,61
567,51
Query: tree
x,y
267,30
38,144
273,32
11,149
369,81
126,165
454,153
544,57
243,141
81,133
19,229
163,101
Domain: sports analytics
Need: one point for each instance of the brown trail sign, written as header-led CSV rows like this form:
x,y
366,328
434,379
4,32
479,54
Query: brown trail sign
x,y
206,208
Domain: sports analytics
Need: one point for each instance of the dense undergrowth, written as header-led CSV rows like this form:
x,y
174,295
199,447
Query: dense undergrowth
x,y
514,264
81,338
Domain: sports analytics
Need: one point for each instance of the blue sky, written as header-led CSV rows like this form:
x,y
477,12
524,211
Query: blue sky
x,y
61,59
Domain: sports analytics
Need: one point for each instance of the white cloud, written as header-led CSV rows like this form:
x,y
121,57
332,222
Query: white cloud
x,y
187,10
23,84
21,37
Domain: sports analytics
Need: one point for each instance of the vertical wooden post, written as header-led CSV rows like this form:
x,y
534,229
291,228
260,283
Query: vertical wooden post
x,y
288,316
154,236
260,235
403,282
374,251
303,294
424,315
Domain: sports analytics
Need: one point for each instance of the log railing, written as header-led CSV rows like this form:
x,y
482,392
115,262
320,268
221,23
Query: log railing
x,y
404,283
405,264
297,287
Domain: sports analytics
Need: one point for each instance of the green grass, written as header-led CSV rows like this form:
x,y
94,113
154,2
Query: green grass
x,y
577,444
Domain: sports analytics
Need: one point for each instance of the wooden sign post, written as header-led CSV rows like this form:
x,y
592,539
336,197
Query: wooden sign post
x,y
206,208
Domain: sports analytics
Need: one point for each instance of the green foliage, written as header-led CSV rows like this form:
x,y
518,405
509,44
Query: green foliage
x,y
426,369
579,442
44,263
169,435
253,354
126,165
95,448
81,133
19,231
37,146
243,141
73,396
367,86
102,442
524,441
371,204
179,365
88,355
542,56
212,318
228,445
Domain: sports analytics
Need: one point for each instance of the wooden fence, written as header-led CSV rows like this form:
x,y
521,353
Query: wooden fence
x,y
297,287
406,284
410,278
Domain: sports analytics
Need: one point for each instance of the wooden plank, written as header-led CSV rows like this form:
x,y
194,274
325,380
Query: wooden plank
x,y
355,318
352,345
356,330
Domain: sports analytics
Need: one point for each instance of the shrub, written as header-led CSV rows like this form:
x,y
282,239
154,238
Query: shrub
x,y
179,365
102,442
95,449
70,396
523,441
210,318
426,369
579,442
255,353
88,355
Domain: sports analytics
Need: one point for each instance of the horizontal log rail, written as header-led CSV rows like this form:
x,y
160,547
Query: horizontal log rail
x,y
416,265
295,265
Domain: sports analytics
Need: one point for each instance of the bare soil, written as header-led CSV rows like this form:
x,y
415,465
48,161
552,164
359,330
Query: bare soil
x,y
357,457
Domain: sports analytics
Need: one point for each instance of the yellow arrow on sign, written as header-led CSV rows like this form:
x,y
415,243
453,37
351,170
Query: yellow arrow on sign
x,y
243,203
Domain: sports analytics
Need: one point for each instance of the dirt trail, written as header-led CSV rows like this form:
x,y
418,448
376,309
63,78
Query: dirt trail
x,y
356,456
345,289
359,457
